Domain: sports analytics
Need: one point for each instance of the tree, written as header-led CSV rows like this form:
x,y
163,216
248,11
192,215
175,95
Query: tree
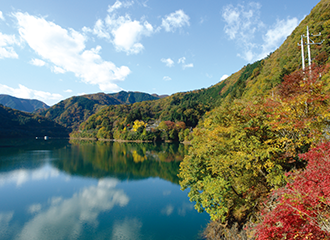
x,y
231,165
301,210
241,151
139,126
300,111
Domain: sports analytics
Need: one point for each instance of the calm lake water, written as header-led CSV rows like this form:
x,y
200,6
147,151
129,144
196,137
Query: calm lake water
x,y
58,189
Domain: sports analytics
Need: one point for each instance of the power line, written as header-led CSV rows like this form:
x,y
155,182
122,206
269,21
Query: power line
x,y
308,44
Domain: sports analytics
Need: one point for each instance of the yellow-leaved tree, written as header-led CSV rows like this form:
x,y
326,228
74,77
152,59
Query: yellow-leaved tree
x,y
242,150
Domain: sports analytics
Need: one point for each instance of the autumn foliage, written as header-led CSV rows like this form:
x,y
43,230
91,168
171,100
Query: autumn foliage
x,y
301,210
299,110
244,151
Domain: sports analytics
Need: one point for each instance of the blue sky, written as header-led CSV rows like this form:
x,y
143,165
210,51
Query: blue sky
x,y
52,50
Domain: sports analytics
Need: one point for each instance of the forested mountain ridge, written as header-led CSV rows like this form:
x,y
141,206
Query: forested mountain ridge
x,y
26,105
14,123
254,80
259,162
133,97
73,111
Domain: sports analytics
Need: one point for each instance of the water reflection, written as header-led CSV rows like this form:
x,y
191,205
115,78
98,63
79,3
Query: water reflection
x,y
129,229
94,190
21,176
61,218
123,160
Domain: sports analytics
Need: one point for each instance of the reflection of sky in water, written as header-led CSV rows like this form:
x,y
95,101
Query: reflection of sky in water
x,y
20,176
66,217
45,203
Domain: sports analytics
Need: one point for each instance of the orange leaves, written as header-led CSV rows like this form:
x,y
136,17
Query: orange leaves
x,y
299,111
301,210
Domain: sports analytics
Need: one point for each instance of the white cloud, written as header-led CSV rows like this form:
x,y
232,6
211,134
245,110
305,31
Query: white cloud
x,y
167,193
127,33
190,65
275,36
5,219
99,30
24,92
66,50
182,60
7,52
67,217
168,210
123,32
167,78
169,62
175,20
68,91
118,5
1,16
34,208
128,229
209,75
224,77
6,49
22,176
37,62
57,70
184,208
243,23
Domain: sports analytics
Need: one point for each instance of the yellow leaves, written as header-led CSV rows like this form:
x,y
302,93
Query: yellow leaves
x,y
138,124
138,158
208,123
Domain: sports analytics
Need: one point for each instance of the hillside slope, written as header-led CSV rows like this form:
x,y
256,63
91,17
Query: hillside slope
x,y
251,146
253,80
14,123
26,105
73,111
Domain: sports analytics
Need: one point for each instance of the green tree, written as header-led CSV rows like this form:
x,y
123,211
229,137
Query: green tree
x,y
231,163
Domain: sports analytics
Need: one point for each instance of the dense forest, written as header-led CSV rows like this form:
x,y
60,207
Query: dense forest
x,y
15,123
73,111
259,142
259,161
125,161
169,118
260,164
26,105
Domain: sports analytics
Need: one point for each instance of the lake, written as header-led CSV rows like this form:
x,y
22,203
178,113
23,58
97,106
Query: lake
x,y
60,189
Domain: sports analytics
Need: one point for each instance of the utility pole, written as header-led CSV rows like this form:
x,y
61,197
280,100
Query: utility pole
x,y
302,52
308,44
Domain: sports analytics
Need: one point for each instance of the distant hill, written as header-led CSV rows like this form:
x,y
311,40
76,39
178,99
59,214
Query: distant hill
x,y
73,111
133,97
14,123
159,96
253,80
26,105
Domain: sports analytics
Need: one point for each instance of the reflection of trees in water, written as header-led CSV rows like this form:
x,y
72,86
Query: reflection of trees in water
x,y
123,160
27,153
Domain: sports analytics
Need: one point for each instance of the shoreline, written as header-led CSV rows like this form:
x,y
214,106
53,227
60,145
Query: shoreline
x,y
121,140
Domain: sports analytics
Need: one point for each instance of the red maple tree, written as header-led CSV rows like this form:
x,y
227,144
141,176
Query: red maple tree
x,y
301,210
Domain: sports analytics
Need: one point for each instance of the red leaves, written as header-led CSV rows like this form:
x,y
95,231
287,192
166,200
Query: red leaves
x,y
301,210
298,83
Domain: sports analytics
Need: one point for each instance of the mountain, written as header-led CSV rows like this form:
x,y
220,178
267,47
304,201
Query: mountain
x,y
253,80
133,97
268,114
14,123
26,105
73,111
